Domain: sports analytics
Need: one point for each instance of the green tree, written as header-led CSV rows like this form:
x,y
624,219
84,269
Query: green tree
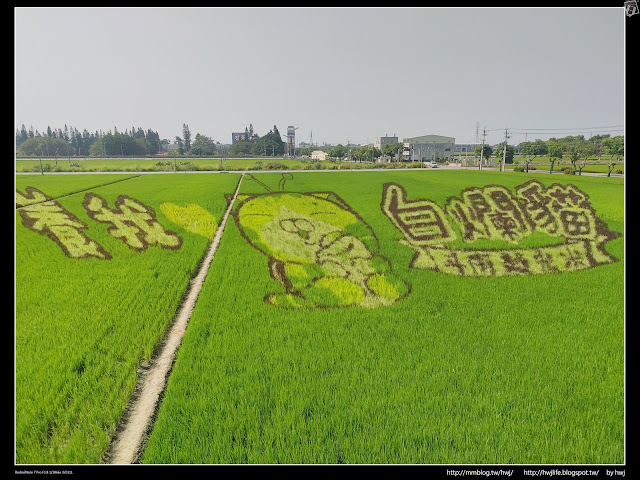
x,y
118,144
338,151
180,144
483,152
532,150
21,135
45,147
614,147
572,149
304,151
500,152
510,153
392,149
241,148
587,150
554,150
24,134
202,145
164,143
269,144
186,135
366,153
152,139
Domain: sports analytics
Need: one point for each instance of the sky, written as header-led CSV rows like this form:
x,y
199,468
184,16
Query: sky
x,y
339,75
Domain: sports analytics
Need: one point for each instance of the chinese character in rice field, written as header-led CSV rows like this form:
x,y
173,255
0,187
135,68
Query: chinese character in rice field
x,y
489,212
494,213
560,210
132,222
49,218
319,249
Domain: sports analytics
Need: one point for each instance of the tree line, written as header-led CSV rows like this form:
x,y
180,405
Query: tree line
x,y
69,141
576,149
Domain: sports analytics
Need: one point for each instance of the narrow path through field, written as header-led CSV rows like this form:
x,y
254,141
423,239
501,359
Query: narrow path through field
x,y
136,423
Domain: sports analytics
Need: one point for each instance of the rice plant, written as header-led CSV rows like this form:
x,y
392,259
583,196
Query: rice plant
x,y
461,369
88,318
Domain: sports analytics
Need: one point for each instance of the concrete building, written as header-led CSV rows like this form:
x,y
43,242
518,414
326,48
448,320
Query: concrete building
x,y
427,148
380,142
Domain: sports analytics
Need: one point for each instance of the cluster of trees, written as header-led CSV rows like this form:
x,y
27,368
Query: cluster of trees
x,y
71,142
137,142
576,149
365,153
269,144
202,144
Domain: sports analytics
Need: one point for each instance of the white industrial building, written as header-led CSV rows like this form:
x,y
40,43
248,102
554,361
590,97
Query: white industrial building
x,y
428,148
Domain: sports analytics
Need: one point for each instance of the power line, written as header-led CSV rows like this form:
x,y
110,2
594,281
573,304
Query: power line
x,y
560,130
610,129
573,128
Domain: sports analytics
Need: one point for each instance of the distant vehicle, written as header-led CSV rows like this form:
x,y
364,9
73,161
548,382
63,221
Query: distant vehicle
x,y
433,165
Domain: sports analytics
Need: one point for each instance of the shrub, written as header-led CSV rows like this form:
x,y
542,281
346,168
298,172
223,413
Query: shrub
x,y
276,166
568,171
187,166
518,168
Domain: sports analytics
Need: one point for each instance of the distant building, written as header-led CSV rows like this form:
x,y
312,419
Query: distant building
x,y
380,142
239,136
427,148
246,135
465,147
319,155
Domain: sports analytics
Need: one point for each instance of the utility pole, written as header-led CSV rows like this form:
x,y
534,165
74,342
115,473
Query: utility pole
x,y
504,150
484,134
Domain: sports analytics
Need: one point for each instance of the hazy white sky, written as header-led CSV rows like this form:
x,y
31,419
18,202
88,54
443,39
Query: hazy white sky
x,y
338,74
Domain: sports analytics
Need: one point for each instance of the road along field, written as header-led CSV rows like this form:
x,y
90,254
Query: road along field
x,y
430,317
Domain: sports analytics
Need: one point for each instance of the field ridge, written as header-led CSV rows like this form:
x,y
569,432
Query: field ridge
x,y
137,421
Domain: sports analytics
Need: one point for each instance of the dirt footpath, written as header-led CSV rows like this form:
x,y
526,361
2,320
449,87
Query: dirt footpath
x,y
137,421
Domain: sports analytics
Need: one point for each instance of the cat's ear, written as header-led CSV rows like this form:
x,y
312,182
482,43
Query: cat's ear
x,y
332,197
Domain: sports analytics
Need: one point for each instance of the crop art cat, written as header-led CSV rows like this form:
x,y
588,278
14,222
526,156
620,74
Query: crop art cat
x,y
320,250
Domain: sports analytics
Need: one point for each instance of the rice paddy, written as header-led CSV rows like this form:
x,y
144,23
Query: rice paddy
x,y
397,317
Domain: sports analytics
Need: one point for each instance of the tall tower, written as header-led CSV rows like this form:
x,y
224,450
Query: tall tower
x,y
291,140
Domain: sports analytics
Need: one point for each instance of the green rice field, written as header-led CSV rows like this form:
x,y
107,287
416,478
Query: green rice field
x,y
389,317
84,326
